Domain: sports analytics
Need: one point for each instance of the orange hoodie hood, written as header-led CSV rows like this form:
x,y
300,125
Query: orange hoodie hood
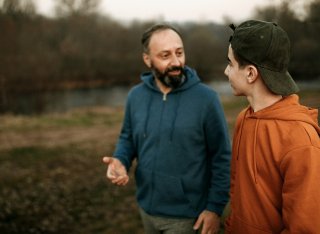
x,y
287,109
293,112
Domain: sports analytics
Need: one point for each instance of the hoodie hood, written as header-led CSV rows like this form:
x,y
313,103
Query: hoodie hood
x,y
192,79
293,111
287,109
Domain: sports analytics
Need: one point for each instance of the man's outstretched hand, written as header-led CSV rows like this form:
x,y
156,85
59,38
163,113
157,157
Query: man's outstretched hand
x,y
116,172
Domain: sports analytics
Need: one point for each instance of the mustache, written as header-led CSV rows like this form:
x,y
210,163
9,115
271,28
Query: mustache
x,y
174,68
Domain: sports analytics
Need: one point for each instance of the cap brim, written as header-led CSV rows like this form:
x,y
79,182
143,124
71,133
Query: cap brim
x,y
279,82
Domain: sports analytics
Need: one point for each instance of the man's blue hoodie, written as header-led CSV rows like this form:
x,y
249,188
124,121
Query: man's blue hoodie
x,y
182,148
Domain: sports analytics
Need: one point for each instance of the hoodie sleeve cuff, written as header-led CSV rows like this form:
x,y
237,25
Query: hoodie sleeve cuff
x,y
218,209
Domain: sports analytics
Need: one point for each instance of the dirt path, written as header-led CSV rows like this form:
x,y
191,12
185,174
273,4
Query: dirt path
x,y
59,137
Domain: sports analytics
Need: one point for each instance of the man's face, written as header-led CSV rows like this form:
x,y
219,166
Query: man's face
x,y
236,75
167,77
166,57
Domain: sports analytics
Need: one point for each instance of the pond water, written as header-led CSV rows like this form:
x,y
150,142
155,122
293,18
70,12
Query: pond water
x,y
66,100
61,101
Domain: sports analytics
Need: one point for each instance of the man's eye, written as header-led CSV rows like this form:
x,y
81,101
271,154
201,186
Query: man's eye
x,y
165,56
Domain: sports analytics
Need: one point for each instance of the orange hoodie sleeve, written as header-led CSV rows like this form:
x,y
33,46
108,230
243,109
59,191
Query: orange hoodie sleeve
x,y
300,169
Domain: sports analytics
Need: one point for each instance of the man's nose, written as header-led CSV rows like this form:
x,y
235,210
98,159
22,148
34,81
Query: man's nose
x,y
175,61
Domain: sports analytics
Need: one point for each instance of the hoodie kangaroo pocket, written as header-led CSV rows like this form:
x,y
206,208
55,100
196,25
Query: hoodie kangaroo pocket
x,y
162,194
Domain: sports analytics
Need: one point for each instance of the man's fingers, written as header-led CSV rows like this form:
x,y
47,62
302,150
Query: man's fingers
x,y
110,172
197,225
107,160
120,180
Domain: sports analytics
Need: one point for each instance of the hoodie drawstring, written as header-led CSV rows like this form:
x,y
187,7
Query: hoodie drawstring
x,y
147,116
175,116
240,135
237,147
255,170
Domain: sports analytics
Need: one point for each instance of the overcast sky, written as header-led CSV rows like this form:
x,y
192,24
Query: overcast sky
x,y
172,10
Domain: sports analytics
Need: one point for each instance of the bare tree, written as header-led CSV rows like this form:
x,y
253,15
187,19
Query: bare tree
x,y
18,7
70,7
11,6
28,7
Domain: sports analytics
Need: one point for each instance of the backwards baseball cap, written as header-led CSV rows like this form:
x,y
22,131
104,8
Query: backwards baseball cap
x,y
266,45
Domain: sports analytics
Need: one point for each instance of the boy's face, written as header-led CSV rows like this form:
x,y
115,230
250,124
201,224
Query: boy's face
x,y
237,76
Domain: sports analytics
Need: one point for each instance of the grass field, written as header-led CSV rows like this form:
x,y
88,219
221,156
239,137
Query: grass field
x,y
52,179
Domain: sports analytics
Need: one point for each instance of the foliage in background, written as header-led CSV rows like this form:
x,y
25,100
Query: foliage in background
x,y
81,49
303,31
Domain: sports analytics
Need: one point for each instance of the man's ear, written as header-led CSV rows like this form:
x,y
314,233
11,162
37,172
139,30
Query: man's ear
x,y
146,59
252,73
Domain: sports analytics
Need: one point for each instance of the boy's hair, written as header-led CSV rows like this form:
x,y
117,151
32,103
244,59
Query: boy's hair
x,y
241,60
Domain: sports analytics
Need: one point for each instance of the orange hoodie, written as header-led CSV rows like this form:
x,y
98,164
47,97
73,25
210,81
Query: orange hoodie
x,y
275,174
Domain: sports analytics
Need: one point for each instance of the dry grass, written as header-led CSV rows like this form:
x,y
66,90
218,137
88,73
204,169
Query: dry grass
x,y
52,176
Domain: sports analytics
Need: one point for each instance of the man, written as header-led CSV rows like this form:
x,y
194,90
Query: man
x,y
276,149
175,127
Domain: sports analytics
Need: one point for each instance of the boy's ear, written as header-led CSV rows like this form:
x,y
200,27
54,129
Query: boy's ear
x,y
252,73
146,59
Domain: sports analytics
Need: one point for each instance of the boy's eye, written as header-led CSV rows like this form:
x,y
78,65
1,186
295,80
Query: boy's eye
x,y
229,61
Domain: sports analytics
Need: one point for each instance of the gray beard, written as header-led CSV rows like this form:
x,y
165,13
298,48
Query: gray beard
x,y
169,81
